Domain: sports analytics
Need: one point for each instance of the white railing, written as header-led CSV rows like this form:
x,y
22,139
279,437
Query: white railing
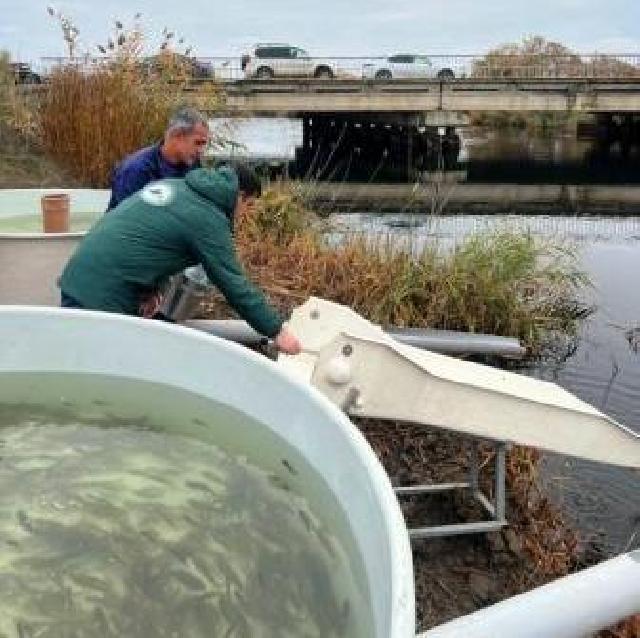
x,y
491,67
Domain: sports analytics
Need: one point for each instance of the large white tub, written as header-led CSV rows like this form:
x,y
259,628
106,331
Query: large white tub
x,y
30,260
75,341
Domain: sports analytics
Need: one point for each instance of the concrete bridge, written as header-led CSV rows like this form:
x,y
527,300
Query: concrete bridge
x,y
315,96
357,121
591,83
360,124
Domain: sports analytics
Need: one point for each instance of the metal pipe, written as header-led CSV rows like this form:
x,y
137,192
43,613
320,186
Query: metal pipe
x,y
230,329
413,490
443,341
569,607
456,529
452,342
474,470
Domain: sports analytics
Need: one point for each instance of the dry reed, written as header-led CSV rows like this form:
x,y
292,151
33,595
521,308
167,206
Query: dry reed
x,y
95,111
502,284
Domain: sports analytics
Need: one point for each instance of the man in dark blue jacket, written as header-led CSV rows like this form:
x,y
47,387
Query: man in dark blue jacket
x,y
180,151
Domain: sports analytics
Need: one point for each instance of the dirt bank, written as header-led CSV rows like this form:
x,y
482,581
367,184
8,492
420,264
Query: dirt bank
x,y
460,574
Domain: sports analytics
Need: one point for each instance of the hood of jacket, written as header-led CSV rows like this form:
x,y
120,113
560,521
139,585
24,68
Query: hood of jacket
x,y
218,185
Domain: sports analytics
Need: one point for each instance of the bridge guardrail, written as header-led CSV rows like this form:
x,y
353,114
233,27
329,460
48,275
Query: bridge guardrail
x,y
467,67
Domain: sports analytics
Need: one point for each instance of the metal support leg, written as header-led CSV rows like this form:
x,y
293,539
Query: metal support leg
x,y
495,510
500,486
473,466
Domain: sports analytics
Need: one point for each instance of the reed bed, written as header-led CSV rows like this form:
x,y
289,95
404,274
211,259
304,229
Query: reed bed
x,y
97,108
503,283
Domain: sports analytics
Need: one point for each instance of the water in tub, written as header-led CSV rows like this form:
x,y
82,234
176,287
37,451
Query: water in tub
x,y
33,223
131,509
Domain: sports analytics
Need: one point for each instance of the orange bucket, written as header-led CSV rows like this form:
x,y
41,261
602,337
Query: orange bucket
x,y
56,213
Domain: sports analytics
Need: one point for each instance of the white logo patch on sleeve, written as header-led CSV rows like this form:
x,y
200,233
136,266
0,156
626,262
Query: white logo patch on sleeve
x,y
157,194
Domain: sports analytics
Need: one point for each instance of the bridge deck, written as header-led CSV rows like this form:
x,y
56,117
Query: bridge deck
x,y
294,97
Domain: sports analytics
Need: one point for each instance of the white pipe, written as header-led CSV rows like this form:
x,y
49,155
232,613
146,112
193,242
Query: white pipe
x,y
569,607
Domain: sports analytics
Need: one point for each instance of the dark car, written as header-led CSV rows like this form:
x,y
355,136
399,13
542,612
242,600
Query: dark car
x,y
24,74
175,62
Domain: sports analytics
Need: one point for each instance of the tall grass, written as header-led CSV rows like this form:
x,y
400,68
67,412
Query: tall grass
x,y
90,121
22,163
501,283
96,111
6,83
16,116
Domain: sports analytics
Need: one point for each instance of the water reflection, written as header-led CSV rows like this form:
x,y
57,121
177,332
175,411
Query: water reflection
x,y
507,155
605,371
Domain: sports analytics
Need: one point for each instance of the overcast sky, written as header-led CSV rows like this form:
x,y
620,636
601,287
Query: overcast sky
x,y
333,27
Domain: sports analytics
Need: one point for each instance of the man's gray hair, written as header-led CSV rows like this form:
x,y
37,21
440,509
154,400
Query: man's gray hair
x,y
184,120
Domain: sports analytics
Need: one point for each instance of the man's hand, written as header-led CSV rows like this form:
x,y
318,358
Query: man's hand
x,y
150,305
287,342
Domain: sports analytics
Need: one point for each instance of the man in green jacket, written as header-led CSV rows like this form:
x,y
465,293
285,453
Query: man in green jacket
x,y
161,230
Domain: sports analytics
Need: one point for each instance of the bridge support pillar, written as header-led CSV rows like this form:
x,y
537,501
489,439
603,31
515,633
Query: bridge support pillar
x,y
304,154
410,134
363,147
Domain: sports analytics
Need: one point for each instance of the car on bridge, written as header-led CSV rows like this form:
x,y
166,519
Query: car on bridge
x,y
407,66
175,64
282,60
24,74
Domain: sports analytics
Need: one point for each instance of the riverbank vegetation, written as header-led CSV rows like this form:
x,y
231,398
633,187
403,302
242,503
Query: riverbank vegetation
x,y
23,162
501,283
537,58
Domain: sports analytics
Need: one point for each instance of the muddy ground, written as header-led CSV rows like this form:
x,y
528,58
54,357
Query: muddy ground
x,y
459,574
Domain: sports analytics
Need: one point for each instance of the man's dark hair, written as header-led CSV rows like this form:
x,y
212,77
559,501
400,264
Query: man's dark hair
x,y
248,181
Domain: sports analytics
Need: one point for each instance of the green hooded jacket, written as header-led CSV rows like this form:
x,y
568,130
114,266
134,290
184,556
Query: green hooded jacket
x,y
164,228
